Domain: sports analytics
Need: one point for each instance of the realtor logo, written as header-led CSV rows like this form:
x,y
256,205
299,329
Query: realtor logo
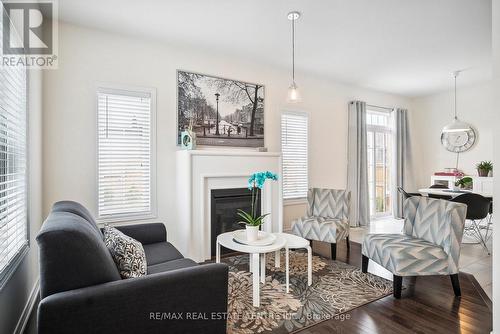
x,y
29,34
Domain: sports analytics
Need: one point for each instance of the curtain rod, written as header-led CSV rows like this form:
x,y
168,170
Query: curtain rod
x,y
374,106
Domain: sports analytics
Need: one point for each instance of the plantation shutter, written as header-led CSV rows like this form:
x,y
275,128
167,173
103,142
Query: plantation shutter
x,y
294,143
13,168
124,153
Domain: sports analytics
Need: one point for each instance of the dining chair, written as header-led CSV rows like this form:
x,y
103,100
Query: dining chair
x,y
478,209
488,229
406,194
439,186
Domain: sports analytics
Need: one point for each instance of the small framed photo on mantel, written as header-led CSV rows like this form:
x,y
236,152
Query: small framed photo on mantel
x,y
220,112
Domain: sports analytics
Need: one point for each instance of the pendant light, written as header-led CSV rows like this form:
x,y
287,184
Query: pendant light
x,y
293,92
456,125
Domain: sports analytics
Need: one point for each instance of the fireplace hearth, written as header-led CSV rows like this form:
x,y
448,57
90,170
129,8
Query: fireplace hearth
x,y
224,206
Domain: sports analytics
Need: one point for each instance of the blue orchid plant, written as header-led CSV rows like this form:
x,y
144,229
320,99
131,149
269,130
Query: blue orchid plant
x,y
256,183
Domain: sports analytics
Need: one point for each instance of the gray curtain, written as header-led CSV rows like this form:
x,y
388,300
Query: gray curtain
x,y
357,165
401,158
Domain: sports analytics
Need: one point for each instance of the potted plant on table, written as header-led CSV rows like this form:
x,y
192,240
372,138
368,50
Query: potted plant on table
x,y
251,220
464,183
484,168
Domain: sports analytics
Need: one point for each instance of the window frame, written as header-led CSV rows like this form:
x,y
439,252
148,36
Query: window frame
x,y
386,130
113,88
301,199
14,263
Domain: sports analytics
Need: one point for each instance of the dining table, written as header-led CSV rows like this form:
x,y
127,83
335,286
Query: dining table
x,y
450,192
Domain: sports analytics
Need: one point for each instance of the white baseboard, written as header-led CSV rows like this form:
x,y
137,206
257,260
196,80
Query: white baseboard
x,y
23,320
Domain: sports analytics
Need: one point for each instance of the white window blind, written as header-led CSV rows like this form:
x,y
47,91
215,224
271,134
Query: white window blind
x,y
125,153
294,144
13,167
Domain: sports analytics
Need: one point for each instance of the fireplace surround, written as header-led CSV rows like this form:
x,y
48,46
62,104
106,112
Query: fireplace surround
x,y
201,171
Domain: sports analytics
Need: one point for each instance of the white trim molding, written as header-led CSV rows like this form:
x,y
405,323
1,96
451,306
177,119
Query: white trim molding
x,y
28,308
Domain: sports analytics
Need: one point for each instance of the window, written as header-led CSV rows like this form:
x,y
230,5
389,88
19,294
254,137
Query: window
x,y
294,144
126,154
13,168
379,141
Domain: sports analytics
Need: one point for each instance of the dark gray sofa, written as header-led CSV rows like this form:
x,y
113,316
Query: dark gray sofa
x,y
81,290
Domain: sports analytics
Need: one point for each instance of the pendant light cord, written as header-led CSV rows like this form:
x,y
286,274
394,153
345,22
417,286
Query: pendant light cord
x,y
293,50
456,74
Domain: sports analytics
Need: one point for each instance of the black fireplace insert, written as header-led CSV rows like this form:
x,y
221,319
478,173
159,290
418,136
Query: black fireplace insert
x,y
224,207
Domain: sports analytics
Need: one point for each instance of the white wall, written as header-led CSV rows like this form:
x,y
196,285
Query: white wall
x,y
496,121
15,294
431,113
89,56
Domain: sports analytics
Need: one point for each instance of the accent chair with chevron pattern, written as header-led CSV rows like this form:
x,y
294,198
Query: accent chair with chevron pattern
x,y
327,217
429,245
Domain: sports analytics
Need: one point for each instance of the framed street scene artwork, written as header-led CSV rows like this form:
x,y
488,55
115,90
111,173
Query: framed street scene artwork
x,y
220,112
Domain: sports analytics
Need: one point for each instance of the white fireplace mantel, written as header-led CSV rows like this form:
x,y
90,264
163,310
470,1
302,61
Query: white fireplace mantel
x,y
201,171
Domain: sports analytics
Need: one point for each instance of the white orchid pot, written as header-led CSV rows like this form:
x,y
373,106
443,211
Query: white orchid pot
x,y
252,232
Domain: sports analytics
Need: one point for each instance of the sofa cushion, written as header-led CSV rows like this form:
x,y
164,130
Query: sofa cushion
x,y
171,265
161,252
127,253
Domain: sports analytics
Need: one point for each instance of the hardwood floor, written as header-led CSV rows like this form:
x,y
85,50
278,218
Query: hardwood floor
x,y
428,305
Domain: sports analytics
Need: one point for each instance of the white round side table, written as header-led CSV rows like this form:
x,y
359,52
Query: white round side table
x,y
257,258
295,242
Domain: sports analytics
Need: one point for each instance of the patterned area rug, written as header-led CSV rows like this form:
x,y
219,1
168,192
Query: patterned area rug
x,y
337,288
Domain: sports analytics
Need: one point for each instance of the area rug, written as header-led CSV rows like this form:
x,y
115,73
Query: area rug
x,y
337,288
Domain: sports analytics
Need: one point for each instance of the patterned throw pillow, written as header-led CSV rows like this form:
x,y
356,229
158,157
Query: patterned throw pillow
x,y
127,253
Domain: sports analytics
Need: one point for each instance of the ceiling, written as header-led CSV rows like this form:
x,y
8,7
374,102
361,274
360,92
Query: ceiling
x,y
400,46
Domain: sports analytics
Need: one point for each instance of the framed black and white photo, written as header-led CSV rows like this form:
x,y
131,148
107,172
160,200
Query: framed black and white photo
x,y
221,112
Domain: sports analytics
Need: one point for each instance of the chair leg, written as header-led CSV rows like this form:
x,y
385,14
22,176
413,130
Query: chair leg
x,y
364,264
479,235
348,243
334,251
456,285
397,284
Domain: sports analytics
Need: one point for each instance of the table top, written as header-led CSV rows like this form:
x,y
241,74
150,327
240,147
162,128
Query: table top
x,y
226,240
293,241
449,192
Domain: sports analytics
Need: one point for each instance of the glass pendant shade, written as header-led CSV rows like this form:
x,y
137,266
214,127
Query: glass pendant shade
x,y
293,93
456,126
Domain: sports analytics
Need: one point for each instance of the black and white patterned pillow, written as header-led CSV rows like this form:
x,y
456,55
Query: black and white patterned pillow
x,y
128,253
